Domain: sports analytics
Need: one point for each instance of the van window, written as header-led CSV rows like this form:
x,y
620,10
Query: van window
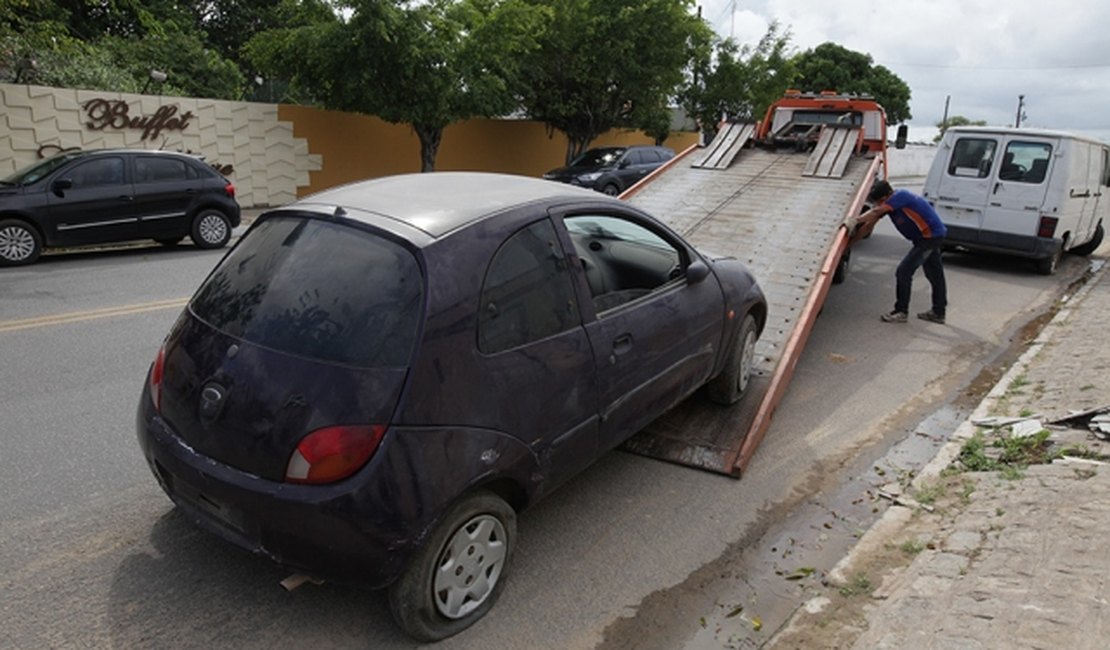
x,y
972,157
317,289
1025,162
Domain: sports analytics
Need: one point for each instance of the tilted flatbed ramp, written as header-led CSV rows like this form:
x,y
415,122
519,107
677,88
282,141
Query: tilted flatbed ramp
x,y
787,228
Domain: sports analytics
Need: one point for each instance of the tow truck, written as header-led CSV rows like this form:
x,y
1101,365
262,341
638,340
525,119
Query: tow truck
x,y
776,195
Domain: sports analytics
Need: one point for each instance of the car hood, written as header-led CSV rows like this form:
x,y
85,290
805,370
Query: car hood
x,y
573,172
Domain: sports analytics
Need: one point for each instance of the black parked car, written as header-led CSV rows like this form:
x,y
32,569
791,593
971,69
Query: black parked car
x,y
377,378
611,170
111,195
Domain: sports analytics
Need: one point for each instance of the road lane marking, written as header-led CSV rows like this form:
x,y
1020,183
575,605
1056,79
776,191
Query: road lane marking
x,y
80,316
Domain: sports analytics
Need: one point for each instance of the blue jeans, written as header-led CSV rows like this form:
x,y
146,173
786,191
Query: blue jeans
x,y
925,253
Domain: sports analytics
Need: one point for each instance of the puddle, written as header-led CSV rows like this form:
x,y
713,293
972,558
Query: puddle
x,y
811,540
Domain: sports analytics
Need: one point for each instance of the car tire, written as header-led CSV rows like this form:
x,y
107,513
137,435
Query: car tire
x,y
611,190
211,229
729,386
20,243
1091,246
458,574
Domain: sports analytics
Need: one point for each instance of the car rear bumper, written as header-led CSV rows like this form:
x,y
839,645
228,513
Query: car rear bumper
x,y
330,532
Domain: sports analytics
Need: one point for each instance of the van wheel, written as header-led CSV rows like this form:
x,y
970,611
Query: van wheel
x,y
1092,245
456,577
729,386
19,243
211,229
1047,265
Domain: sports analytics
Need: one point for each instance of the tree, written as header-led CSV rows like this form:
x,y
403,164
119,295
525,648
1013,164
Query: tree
x,y
956,120
428,64
604,64
737,82
832,67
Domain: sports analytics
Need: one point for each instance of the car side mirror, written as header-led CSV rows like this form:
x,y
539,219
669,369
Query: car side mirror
x,y
903,135
61,185
623,164
696,272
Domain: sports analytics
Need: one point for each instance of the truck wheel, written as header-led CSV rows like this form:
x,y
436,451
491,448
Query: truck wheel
x,y
19,243
211,229
841,272
727,387
456,577
1092,245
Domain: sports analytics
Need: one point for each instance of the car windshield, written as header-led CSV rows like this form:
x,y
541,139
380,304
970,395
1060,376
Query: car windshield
x,y
38,170
319,290
598,157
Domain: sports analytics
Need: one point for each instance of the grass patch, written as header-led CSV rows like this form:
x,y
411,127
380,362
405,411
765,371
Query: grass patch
x,y
929,493
1008,455
859,586
912,547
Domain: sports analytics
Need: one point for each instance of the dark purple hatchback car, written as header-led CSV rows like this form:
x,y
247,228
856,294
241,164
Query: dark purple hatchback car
x,y
377,378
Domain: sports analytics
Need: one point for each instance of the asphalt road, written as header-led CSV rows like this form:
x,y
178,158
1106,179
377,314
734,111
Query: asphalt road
x,y
92,554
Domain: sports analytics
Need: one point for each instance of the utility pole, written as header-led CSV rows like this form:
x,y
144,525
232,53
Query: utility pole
x,y
944,120
1021,104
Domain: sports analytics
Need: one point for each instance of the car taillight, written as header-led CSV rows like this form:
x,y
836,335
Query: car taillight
x,y
1047,227
156,372
333,453
229,189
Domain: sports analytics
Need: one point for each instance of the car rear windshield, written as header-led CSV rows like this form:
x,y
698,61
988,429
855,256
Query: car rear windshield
x,y
317,289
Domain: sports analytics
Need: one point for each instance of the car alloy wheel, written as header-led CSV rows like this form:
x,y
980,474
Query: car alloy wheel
x,y
469,567
19,244
211,229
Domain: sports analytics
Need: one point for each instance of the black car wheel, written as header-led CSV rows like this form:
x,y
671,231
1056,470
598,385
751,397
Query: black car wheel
x,y
456,577
727,387
19,243
611,190
211,229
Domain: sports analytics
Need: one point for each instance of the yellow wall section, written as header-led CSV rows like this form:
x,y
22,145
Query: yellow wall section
x,y
356,147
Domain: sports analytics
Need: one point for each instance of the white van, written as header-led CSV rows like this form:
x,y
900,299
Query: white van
x,y
1027,192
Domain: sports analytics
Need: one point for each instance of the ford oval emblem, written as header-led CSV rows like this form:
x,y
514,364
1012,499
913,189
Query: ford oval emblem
x,y
211,400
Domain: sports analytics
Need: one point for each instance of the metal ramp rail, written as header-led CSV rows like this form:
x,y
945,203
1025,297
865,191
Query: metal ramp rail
x,y
835,146
787,228
724,147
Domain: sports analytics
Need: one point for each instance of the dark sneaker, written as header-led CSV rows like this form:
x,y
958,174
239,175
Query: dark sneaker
x,y
894,317
931,316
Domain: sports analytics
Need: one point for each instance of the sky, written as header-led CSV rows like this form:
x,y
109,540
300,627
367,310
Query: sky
x,y
981,54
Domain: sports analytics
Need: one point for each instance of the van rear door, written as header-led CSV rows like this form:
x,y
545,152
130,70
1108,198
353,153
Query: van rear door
x,y
963,180
1017,193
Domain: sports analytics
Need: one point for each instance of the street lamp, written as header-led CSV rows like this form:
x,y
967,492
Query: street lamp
x,y
155,75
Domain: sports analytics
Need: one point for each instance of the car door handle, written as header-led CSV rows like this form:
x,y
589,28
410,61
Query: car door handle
x,y
621,345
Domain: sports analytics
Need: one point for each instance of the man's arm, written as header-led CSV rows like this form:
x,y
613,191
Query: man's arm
x,y
866,221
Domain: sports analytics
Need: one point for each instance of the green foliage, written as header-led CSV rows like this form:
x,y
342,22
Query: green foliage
x,y
956,120
604,64
912,547
738,82
860,585
833,67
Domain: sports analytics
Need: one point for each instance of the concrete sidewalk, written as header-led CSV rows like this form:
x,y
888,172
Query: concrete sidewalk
x,y
981,551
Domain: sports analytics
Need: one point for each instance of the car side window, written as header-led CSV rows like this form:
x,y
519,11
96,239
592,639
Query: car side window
x,y
528,293
99,172
972,157
623,260
152,169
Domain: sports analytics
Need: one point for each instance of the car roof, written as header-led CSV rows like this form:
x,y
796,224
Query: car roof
x,y
439,202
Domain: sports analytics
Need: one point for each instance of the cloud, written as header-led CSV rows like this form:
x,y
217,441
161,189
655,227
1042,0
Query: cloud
x,y
981,54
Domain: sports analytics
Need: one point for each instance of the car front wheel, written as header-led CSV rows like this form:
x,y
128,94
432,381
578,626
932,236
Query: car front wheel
x,y
456,577
19,243
211,229
727,387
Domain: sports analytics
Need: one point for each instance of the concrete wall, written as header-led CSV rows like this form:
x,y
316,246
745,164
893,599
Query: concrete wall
x,y
273,153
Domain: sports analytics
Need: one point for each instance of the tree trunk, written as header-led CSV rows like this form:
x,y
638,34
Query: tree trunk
x,y
429,145
576,144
